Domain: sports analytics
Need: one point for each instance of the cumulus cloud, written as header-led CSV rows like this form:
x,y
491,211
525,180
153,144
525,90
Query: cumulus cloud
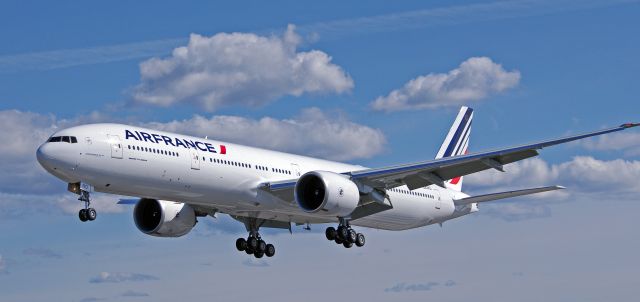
x,y
42,253
107,277
585,177
627,142
238,68
313,133
475,79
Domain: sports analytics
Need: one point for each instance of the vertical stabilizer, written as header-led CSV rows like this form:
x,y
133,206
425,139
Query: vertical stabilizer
x,y
457,142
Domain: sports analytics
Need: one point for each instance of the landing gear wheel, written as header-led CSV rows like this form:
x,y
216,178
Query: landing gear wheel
x,y
331,233
248,250
339,241
252,242
343,232
83,215
360,240
241,244
91,214
262,246
351,236
258,254
347,244
270,251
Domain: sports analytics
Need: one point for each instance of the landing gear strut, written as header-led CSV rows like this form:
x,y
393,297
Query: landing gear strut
x,y
254,243
345,235
86,214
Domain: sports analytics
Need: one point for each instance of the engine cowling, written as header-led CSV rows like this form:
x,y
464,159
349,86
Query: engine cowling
x,y
326,193
164,218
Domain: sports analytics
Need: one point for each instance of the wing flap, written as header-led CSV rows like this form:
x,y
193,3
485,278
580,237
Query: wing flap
x,y
503,195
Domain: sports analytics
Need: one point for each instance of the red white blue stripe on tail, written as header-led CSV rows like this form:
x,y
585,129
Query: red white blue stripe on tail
x,y
457,142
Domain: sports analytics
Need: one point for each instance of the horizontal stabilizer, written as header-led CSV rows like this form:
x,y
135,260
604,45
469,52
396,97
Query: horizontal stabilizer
x,y
502,195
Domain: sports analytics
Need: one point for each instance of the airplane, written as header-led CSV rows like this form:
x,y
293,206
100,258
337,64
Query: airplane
x,y
177,179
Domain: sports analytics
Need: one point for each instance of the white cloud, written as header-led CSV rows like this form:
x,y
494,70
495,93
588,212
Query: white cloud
x,y
475,79
117,277
627,142
238,68
586,178
313,132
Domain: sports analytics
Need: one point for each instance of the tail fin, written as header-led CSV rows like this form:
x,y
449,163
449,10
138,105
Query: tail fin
x,y
457,142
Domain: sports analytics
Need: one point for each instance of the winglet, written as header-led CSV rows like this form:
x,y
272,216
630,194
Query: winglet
x,y
629,125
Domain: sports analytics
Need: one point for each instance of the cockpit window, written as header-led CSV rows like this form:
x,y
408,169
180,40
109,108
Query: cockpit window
x,y
65,139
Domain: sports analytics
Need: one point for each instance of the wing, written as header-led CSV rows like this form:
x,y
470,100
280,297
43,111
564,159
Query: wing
x,y
417,175
502,195
421,174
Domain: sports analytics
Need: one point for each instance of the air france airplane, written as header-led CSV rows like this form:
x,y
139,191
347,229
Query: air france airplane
x,y
177,178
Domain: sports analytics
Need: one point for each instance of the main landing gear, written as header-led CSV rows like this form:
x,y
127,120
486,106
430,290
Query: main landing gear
x,y
254,245
86,214
345,235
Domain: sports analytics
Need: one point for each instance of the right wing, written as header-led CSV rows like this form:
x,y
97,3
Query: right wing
x,y
502,195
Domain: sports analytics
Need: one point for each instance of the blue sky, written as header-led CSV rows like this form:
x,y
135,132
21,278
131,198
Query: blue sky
x,y
530,69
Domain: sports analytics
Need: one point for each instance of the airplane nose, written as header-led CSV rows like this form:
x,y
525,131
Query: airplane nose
x,y
44,156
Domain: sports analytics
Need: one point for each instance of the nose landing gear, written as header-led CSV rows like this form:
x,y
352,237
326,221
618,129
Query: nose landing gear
x,y
345,235
86,214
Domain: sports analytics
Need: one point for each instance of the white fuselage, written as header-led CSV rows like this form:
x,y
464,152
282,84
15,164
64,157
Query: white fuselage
x,y
218,176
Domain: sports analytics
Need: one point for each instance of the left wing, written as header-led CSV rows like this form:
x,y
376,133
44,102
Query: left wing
x,y
421,174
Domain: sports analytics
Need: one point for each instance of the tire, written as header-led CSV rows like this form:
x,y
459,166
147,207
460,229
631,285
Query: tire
x,y
248,250
82,215
339,241
91,214
351,237
343,232
270,251
241,244
331,233
360,240
347,244
262,246
252,242
258,254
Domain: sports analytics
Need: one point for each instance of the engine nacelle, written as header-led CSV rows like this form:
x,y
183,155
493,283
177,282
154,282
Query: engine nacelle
x,y
326,193
164,218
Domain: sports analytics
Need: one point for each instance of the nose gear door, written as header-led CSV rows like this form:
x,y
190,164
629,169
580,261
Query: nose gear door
x,y
116,146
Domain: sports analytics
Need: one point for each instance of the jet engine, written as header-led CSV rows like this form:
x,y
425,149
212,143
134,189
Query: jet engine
x,y
164,218
326,193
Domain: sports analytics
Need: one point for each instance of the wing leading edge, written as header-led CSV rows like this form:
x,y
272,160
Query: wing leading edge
x,y
421,174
